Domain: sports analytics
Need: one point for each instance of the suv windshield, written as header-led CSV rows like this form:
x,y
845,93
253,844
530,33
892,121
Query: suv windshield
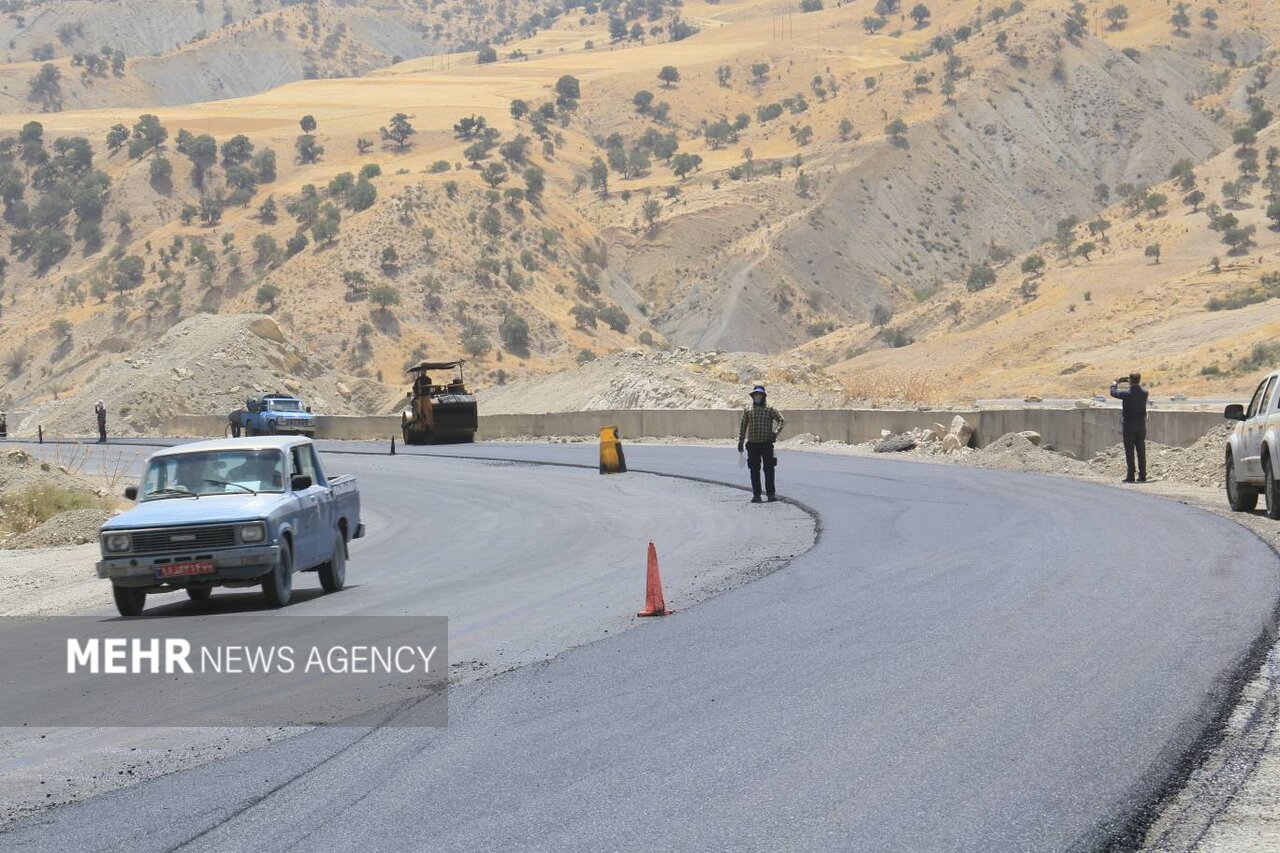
x,y
215,472
284,405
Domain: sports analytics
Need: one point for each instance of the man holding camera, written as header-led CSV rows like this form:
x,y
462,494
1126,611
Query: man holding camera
x,y
1133,422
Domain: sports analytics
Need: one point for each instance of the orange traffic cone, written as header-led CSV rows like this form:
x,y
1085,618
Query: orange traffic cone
x,y
653,602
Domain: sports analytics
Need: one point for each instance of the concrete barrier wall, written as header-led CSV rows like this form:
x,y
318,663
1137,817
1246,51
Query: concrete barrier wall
x,y
1082,432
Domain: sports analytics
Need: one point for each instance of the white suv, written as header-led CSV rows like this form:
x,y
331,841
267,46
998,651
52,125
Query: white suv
x,y
1253,450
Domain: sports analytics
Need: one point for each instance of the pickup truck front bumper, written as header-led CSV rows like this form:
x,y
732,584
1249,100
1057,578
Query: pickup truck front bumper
x,y
232,564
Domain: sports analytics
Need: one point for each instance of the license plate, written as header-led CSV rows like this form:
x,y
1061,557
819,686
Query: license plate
x,y
194,567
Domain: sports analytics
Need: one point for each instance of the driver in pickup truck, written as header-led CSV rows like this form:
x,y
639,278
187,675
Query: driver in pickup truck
x,y
257,471
1133,423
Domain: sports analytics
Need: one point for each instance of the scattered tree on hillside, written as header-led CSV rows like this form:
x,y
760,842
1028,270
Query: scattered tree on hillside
x,y
1273,213
1210,18
920,14
1153,252
1195,198
385,296
981,276
600,177
267,211
161,173
494,174
398,130
237,150
1118,15
308,124
1180,19
45,89
486,54
148,134
873,24
117,137
568,91
723,75
309,150
810,5
267,295
896,130
651,210
1033,265
514,331
669,75
203,153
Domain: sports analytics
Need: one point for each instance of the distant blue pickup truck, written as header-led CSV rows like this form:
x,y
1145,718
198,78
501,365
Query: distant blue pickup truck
x,y
232,512
272,414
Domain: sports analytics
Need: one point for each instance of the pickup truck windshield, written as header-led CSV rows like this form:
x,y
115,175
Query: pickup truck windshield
x,y
219,472
284,405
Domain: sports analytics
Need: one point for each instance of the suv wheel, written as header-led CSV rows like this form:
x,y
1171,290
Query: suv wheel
x,y
1239,497
1271,490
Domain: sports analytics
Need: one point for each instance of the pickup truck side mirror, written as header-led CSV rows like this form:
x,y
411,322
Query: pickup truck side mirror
x,y
300,482
1234,412
131,492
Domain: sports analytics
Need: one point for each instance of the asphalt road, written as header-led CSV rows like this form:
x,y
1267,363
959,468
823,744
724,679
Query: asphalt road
x,y
966,660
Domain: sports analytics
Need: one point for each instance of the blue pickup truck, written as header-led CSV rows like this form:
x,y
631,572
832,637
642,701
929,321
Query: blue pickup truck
x,y
232,512
272,414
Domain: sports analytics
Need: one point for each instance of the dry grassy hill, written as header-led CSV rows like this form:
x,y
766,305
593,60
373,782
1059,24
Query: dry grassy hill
x,y
147,53
767,196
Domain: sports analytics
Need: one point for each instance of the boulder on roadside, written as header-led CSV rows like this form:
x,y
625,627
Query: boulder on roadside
x,y
1031,436
895,444
962,430
950,443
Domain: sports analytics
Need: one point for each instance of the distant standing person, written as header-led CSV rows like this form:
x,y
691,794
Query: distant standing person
x,y
100,409
1133,423
761,424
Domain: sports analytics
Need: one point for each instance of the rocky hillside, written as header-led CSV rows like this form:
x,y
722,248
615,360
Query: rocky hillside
x,y
207,364
621,177
148,53
678,379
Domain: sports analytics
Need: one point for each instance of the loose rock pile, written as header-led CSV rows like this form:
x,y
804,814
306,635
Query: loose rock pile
x,y
207,364
678,379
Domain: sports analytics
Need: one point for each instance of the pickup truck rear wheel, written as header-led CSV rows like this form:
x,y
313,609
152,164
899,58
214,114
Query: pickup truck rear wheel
x,y
277,587
333,574
129,600
1271,490
1241,498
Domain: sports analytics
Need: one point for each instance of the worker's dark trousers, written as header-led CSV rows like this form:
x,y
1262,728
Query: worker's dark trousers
x,y
761,453
1135,441
102,430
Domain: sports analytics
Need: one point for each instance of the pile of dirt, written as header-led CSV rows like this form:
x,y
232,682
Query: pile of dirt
x,y
207,364
43,503
20,471
1016,452
678,379
73,527
1201,464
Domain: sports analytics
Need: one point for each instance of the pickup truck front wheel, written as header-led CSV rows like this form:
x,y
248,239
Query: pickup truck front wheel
x,y
1241,498
333,574
1271,489
129,600
277,587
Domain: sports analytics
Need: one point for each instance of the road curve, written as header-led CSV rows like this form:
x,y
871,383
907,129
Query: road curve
x,y
966,660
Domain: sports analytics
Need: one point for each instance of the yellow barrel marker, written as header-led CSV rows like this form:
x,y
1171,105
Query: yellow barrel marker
x,y
612,460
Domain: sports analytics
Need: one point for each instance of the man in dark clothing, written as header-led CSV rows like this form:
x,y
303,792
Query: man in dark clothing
x,y
1133,423
100,409
760,426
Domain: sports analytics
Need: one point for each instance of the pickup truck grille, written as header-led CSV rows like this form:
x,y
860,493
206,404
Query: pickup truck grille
x,y
172,539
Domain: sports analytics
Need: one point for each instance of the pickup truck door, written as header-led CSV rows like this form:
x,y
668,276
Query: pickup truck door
x,y
315,507
1255,424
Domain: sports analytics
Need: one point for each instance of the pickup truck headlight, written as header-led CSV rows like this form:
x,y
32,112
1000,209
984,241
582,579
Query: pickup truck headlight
x,y
115,543
253,533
